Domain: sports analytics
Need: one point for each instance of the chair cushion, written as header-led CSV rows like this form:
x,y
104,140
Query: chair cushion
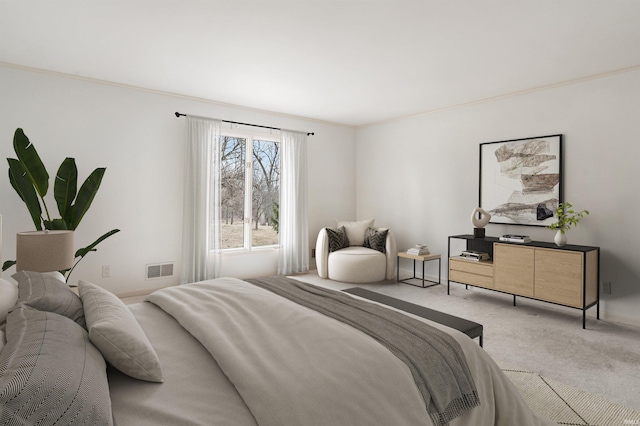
x,y
357,264
355,230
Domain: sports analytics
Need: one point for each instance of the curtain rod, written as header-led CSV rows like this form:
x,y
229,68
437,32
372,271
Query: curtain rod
x,y
178,115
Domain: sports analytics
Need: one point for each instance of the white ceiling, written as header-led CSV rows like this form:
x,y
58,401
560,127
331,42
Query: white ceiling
x,y
352,62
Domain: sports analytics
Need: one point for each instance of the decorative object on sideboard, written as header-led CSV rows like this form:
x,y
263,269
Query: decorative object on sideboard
x,y
479,218
521,179
30,179
512,238
44,251
567,217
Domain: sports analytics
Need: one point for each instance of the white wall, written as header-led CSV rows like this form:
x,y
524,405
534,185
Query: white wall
x,y
420,175
135,135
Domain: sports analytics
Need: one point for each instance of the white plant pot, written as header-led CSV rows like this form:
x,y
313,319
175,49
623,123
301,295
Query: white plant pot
x,y
560,239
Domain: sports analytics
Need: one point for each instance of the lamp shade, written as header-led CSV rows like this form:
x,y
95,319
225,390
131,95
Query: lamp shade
x,y
44,251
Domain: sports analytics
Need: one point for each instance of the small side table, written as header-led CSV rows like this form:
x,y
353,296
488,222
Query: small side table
x,y
423,258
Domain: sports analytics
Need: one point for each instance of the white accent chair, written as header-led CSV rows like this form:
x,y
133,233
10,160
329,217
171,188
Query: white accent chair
x,y
356,264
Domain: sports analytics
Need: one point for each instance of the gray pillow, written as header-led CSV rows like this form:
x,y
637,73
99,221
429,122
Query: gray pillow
x,y
50,373
116,333
376,239
45,293
337,239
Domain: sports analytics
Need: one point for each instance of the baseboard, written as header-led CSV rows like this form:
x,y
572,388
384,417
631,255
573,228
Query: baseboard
x,y
611,317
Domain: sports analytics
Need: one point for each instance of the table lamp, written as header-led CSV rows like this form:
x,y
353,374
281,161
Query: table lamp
x,y
44,251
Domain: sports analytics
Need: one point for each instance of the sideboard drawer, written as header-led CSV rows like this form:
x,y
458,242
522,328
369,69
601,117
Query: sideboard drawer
x,y
479,268
468,272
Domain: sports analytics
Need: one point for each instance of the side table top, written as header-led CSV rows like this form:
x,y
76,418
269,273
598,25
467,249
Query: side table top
x,y
422,257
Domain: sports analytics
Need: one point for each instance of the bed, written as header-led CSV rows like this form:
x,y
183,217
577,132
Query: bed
x,y
234,352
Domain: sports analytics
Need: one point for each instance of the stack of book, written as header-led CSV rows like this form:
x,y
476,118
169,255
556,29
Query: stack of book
x,y
474,255
418,250
515,238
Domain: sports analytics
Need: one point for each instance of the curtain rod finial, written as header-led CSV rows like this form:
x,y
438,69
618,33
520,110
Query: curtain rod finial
x,y
178,115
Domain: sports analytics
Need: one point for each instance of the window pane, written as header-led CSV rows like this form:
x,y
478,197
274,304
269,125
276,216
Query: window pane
x,y
232,186
266,193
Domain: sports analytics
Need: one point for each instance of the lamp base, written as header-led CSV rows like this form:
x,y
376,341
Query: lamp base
x,y
478,232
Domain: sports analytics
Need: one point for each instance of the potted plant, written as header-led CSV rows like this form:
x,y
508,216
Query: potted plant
x,y
30,179
567,217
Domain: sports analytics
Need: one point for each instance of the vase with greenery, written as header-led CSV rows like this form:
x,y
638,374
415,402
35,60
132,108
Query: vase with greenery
x,y
567,217
30,179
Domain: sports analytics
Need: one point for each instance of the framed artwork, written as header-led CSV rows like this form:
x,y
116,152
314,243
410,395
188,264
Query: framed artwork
x,y
521,180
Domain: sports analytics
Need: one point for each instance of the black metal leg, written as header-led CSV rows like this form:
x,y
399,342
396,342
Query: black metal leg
x,y
481,340
514,300
423,278
584,319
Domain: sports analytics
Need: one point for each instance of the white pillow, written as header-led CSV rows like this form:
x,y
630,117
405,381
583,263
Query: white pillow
x,y
355,230
116,333
8,298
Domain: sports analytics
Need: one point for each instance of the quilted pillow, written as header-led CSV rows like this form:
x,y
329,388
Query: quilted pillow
x,y
337,239
46,293
355,230
50,373
116,333
375,239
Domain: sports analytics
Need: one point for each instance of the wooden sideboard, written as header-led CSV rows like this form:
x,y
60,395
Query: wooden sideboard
x,y
567,276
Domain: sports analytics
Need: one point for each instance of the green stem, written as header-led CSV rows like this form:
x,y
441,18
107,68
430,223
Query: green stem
x,y
72,268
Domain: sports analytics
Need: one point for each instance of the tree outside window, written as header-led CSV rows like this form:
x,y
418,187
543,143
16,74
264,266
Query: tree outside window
x,y
249,186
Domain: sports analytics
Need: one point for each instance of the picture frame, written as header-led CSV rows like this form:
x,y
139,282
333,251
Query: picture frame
x,y
521,180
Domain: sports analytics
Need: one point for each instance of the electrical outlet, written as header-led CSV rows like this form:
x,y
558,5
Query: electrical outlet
x,y
606,287
106,271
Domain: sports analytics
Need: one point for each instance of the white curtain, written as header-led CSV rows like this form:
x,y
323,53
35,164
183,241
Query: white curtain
x,y
201,241
293,223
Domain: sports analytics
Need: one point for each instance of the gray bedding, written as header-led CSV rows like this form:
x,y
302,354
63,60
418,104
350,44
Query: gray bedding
x,y
235,354
434,357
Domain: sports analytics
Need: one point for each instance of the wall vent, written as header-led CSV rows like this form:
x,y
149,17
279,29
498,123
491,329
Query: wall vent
x,y
159,270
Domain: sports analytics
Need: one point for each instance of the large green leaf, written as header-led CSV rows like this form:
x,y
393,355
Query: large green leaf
x,y
8,264
65,187
28,156
85,196
92,247
26,191
56,224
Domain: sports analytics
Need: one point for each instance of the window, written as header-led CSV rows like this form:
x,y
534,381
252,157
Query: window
x,y
249,186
